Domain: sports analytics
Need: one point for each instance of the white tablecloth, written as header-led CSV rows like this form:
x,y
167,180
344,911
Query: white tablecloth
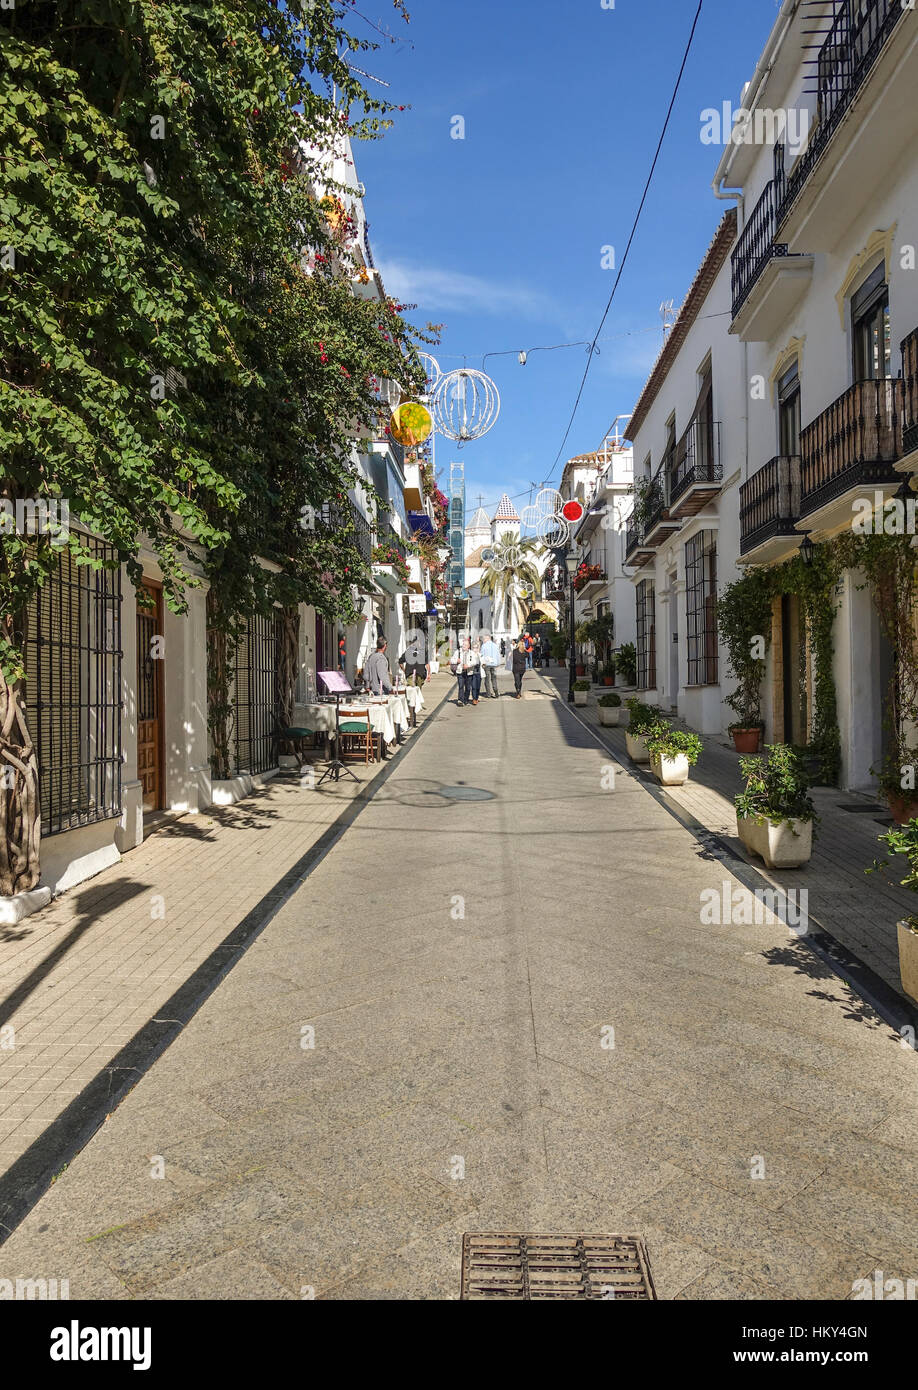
x,y
385,715
415,697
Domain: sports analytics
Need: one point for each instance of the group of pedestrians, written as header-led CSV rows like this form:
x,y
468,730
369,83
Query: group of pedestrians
x,y
478,660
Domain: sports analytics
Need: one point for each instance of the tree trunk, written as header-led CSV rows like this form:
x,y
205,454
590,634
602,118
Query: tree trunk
x,y
288,657
219,681
20,806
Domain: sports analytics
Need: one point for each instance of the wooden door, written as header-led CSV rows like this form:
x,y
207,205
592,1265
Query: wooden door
x,y
150,658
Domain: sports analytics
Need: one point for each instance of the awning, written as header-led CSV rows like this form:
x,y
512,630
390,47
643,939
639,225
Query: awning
x,y
421,524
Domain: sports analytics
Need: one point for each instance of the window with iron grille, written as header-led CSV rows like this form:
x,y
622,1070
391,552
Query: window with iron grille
x,y
73,689
646,636
256,696
700,606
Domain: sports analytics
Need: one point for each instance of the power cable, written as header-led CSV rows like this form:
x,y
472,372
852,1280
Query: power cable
x,y
634,228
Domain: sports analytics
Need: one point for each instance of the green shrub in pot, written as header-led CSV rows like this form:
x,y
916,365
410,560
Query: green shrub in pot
x,y
775,815
610,701
904,840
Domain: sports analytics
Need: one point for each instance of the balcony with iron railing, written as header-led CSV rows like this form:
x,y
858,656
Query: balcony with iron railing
x,y
910,393
652,525
853,444
769,507
859,33
341,518
756,245
695,472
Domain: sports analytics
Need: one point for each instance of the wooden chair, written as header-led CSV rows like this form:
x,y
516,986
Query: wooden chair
x,y
355,732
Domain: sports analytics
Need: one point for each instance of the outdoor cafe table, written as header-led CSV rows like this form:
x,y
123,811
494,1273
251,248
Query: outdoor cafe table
x,y
386,716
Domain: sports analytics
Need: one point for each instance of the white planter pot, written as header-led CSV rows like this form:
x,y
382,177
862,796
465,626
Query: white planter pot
x,y
610,717
744,829
784,846
581,697
671,772
908,960
637,748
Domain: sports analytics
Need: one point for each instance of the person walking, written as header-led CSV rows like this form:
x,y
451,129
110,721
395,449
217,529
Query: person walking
x,y
546,652
463,663
519,666
475,691
490,660
376,673
503,648
527,643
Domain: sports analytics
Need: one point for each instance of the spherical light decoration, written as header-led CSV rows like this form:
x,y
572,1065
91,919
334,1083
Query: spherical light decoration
x,y
530,518
549,501
512,556
432,371
487,556
465,404
553,531
410,424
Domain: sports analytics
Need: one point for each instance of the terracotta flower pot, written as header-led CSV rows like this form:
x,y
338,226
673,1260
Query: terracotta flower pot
x,y
902,808
581,670
608,680
746,740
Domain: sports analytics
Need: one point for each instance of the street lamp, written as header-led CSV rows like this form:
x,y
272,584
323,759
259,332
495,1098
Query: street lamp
x,y
807,549
570,561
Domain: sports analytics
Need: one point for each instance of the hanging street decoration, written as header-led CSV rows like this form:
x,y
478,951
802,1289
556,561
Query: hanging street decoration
x,y
432,372
465,403
410,424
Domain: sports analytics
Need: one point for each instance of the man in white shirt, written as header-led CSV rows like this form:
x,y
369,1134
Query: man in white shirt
x,y
490,660
464,663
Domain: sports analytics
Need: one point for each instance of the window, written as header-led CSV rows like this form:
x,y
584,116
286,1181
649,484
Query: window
x,y
646,636
870,327
73,690
700,604
789,412
256,695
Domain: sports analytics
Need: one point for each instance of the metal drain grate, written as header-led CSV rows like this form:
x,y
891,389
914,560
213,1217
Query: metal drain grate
x,y
501,1264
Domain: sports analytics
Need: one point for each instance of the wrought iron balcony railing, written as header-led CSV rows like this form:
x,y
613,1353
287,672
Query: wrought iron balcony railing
x,y
910,392
770,502
858,35
696,460
756,245
339,517
854,442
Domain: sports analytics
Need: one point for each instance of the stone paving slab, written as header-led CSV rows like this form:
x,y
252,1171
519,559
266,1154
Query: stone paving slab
x,y
461,991
859,912
79,979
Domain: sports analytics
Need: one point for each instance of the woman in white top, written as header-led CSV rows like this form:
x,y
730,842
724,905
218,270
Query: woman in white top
x,y
465,663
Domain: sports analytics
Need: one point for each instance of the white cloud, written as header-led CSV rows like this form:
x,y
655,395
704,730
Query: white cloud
x,y
442,290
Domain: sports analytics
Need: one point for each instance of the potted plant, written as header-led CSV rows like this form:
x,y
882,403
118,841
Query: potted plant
x,y
581,692
560,643
626,663
608,673
744,624
904,840
746,735
610,709
643,718
901,800
672,753
775,814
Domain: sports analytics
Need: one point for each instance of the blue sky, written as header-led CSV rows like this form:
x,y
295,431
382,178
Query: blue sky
x,y
500,235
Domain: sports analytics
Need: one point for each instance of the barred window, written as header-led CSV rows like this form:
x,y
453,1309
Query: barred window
x,y
256,696
646,636
700,605
73,689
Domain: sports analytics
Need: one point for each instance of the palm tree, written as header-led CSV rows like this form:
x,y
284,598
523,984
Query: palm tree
x,y
513,581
